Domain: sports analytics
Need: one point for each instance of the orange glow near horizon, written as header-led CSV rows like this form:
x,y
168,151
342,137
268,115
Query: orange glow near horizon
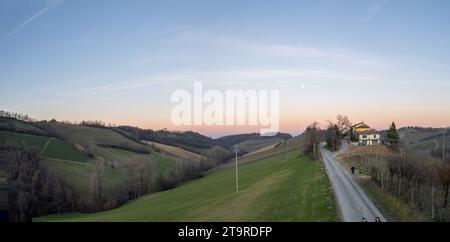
x,y
291,121
295,125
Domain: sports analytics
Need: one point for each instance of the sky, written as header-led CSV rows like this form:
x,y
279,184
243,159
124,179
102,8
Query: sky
x,y
375,61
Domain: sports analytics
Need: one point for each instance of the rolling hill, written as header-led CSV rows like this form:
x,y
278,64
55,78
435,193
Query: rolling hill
x,y
425,140
280,148
48,147
251,142
271,189
188,140
267,172
73,142
70,150
95,141
19,126
200,144
63,159
176,151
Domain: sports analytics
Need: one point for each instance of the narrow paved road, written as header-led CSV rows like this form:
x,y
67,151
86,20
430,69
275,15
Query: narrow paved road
x,y
353,202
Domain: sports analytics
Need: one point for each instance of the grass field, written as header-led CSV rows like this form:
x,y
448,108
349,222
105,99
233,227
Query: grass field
x,y
176,151
295,143
48,147
424,140
58,149
273,189
38,142
265,148
99,143
78,174
426,146
93,140
13,124
62,158
162,162
73,165
251,145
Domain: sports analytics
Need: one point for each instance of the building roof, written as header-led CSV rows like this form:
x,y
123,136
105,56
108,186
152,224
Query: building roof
x,y
372,131
360,125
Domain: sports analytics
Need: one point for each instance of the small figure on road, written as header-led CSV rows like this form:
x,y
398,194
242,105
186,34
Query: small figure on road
x,y
353,169
364,220
377,220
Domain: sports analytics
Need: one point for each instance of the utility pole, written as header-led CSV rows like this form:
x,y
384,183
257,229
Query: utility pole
x,y
237,178
287,149
432,201
443,145
314,149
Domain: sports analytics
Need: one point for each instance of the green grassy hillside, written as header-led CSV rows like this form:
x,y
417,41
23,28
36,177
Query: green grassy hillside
x,y
279,149
64,159
8,137
78,174
425,140
176,151
163,163
105,143
69,157
93,140
257,143
272,189
48,147
17,125
71,164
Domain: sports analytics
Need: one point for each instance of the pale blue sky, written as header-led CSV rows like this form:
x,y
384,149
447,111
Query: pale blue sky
x,y
119,61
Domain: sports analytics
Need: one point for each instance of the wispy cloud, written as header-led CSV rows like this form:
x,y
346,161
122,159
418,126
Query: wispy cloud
x,y
281,49
33,105
376,8
50,4
224,78
335,54
120,86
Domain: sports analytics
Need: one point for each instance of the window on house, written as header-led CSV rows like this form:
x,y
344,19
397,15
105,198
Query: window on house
x,y
364,136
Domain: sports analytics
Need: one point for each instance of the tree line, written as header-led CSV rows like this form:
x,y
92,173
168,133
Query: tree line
x,y
36,189
332,135
412,177
18,116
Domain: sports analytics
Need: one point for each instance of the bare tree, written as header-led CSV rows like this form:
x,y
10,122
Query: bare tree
x,y
312,140
34,189
332,137
96,184
443,173
343,125
139,177
218,154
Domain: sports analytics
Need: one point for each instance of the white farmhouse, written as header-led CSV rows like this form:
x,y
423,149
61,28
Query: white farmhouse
x,y
369,137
